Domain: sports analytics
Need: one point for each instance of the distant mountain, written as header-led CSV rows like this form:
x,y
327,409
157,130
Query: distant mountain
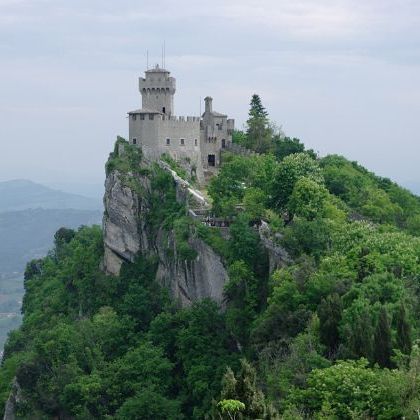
x,y
29,234
23,194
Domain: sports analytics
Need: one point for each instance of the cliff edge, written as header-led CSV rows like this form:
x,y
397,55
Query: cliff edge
x,y
145,213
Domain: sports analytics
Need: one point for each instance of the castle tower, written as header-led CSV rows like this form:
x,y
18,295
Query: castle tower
x,y
157,90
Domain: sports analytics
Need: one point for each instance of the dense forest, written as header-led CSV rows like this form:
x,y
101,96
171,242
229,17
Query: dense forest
x,y
331,335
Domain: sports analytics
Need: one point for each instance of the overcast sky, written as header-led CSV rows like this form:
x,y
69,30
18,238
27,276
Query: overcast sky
x,y
342,75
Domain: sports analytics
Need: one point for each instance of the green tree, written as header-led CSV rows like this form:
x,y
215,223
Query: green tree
x,y
307,199
254,202
290,170
231,408
382,349
356,329
329,312
239,137
351,390
244,388
403,338
258,129
149,404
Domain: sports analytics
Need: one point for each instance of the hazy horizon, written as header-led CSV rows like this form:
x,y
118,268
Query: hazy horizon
x,y
342,76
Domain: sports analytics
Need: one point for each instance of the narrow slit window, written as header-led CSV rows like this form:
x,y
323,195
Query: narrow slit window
x,y
168,142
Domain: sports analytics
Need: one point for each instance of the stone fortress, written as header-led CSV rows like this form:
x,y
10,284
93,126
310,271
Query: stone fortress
x,y
195,142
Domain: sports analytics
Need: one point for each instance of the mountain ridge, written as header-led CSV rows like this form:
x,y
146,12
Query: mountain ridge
x,y
22,194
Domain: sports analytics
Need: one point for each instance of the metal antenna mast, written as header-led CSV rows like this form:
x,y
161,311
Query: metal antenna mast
x,y
164,54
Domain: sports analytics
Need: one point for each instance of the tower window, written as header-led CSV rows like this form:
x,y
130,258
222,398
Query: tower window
x,y
134,117
168,142
142,116
182,141
223,143
151,116
211,160
195,142
164,110
134,141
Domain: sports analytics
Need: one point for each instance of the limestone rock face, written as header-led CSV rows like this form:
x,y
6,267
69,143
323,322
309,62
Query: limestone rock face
x,y
277,255
14,399
194,280
127,234
120,227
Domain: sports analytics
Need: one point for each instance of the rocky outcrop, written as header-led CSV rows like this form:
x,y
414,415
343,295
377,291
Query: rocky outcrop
x,y
189,281
277,255
14,399
120,224
126,234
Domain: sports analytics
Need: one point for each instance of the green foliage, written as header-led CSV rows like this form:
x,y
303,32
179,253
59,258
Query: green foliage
x,y
239,137
125,158
231,407
403,327
291,169
175,166
376,198
259,133
182,230
307,199
213,238
197,341
329,312
350,390
243,389
285,146
382,340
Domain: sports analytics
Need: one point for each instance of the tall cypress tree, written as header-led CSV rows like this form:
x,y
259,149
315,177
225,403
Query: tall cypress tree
x,y
257,109
382,343
258,128
403,330
329,313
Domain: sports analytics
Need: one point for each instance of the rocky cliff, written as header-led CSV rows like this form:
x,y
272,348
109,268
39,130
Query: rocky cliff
x,y
127,233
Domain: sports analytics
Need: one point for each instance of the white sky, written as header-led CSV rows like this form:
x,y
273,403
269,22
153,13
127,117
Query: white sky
x,y
341,75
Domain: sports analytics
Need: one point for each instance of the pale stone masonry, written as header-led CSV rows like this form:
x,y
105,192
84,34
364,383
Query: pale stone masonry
x,y
197,141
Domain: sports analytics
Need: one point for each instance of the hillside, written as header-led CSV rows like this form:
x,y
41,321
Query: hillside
x,y
287,288
25,235
23,194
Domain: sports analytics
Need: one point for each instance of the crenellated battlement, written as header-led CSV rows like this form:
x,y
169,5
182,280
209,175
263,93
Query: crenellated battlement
x,y
180,119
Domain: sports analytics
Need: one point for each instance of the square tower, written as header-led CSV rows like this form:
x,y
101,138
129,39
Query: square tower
x,y
157,90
